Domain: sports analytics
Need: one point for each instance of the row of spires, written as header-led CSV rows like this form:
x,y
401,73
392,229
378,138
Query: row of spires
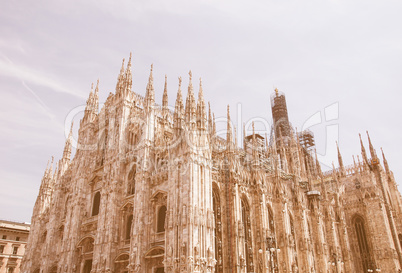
x,y
193,114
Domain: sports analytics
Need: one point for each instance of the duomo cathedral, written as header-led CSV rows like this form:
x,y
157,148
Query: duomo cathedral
x,y
152,189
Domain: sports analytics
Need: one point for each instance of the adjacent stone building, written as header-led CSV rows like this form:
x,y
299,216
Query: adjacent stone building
x,y
156,190
13,239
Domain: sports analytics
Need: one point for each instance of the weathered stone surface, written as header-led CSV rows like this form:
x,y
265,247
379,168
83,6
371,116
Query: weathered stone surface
x,y
154,190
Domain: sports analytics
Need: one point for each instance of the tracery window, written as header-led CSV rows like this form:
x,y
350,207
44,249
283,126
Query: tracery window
x,y
248,247
96,204
363,243
161,219
218,231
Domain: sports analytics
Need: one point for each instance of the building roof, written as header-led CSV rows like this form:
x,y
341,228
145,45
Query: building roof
x,y
15,225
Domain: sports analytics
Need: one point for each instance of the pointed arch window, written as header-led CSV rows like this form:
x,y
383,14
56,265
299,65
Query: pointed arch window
x,y
161,219
362,242
96,204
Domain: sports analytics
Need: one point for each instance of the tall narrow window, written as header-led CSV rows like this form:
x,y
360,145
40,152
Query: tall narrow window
x,y
363,244
131,180
248,247
400,239
96,204
15,250
161,219
293,243
128,226
271,224
218,232
87,266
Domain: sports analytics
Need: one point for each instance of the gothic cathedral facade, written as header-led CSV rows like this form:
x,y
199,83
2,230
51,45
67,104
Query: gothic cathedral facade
x,y
152,189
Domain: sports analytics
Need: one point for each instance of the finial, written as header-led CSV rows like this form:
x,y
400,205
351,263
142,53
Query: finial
x,y
190,74
276,91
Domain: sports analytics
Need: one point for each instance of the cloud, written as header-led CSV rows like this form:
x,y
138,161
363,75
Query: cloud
x,y
25,74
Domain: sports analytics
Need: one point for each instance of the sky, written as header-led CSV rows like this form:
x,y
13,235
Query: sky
x,y
338,62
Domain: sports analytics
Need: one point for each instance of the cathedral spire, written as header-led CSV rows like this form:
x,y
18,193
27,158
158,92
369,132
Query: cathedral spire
x,y
201,113
386,166
68,145
229,138
317,164
372,150
340,161
120,78
96,97
364,155
190,104
150,93
209,118
128,77
179,109
165,100
92,102
213,124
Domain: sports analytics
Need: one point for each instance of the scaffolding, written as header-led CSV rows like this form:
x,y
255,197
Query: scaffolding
x,y
280,114
306,139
